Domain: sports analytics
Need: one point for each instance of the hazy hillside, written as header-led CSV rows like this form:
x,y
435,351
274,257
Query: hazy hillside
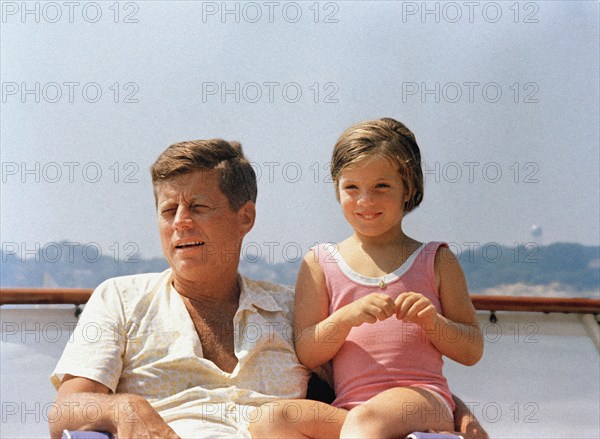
x,y
553,270
560,269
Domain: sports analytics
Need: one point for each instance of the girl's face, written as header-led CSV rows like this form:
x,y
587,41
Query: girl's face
x,y
372,197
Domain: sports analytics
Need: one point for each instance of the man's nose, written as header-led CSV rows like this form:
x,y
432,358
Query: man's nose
x,y
183,218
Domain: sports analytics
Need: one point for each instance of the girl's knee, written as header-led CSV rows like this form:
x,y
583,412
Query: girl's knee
x,y
363,422
294,419
361,414
269,422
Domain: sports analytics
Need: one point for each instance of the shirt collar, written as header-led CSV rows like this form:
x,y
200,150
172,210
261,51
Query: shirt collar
x,y
253,295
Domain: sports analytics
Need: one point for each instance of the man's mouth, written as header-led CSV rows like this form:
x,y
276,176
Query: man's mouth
x,y
190,244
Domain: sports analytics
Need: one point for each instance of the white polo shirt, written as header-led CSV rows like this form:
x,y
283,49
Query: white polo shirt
x,y
135,335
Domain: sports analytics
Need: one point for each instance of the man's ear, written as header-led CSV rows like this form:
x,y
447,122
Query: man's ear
x,y
247,215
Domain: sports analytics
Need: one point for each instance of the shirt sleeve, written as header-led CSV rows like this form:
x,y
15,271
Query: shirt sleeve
x,y
96,346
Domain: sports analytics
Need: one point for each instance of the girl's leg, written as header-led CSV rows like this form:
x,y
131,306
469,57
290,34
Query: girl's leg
x,y
396,413
297,418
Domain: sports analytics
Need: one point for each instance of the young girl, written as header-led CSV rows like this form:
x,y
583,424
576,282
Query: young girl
x,y
381,306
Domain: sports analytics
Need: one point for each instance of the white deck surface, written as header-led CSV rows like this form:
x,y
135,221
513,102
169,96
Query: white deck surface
x,y
539,377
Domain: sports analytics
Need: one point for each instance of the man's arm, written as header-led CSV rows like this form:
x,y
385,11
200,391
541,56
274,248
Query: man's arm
x,y
84,404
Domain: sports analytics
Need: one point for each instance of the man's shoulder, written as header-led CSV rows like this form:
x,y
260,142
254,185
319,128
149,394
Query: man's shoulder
x,y
138,279
282,294
135,283
267,286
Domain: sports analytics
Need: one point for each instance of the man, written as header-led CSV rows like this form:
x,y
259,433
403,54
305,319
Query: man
x,y
195,350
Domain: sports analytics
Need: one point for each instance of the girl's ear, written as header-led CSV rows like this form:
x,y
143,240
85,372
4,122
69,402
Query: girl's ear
x,y
408,192
408,196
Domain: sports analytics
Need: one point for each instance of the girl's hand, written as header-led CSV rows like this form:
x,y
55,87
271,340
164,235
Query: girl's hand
x,y
415,308
368,309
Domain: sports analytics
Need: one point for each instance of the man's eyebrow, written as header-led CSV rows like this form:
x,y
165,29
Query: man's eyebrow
x,y
164,204
201,198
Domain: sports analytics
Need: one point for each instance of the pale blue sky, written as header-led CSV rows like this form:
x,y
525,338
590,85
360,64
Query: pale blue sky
x,y
503,99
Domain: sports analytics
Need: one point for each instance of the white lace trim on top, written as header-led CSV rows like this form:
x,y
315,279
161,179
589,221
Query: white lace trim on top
x,y
373,281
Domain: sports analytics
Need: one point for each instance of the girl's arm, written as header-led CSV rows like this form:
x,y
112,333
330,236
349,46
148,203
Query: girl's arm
x,y
319,336
455,334
317,339
458,334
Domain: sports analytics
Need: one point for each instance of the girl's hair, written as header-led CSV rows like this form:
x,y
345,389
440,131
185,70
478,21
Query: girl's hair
x,y
386,138
237,179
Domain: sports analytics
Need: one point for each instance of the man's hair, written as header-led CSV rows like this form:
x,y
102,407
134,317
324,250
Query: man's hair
x,y
237,179
386,138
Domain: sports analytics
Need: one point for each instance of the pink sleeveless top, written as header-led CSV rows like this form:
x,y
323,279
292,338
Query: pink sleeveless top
x,y
389,353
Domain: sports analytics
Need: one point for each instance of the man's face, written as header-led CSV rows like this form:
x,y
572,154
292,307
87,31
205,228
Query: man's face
x,y
200,235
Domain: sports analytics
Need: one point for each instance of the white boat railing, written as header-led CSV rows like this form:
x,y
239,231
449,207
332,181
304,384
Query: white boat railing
x,y
79,296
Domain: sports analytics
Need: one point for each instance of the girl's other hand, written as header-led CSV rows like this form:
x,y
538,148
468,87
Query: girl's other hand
x,y
368,309
415,308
